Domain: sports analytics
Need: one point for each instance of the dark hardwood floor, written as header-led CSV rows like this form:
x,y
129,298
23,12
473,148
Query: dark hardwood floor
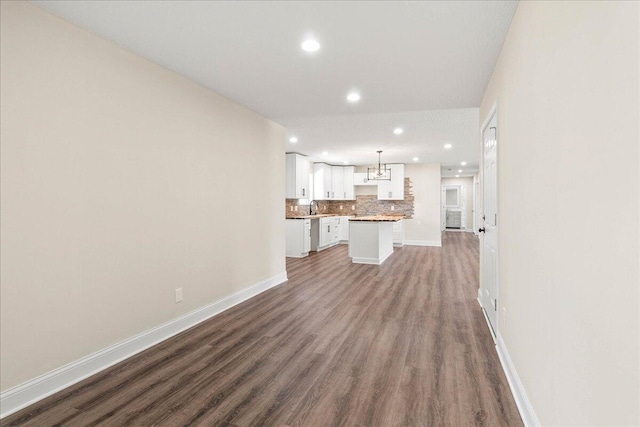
x,y
404,343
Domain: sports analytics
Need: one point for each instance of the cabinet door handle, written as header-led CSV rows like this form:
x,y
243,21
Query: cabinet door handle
x,y
390,194
303,191
327,194
328,228
345,194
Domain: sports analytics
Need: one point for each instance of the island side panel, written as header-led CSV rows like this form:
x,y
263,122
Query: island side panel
x,y
385,240
370,242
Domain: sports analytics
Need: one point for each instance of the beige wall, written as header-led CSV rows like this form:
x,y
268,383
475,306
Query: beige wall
x,y
566,85
467,183
425,225
115,178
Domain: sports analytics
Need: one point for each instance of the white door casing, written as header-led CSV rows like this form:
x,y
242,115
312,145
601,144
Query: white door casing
x,y
463,207
459,206
489,222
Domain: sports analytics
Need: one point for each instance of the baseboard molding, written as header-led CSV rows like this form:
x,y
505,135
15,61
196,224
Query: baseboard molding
x,y
30,392
437,243
517,389
372,261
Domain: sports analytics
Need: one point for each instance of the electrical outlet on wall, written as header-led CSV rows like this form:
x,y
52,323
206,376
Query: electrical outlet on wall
x,y
393,208
291,208
340,207
178,294
295,208
353,207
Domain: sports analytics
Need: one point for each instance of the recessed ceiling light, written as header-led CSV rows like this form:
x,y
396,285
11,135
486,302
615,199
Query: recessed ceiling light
x,y
346,162
459,170
293,140
463,164
353,97
310,45
325,153
448,146
415,159
457,176
398,131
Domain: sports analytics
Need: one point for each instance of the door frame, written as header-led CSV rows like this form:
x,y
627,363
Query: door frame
x,y
443,202
493,112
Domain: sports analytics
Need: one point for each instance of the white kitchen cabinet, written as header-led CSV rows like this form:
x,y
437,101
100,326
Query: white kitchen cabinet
x,y
344,229
333,182
393,189
297,176
329,232
298,237
361,178
322,181
349,189
337,183
398,233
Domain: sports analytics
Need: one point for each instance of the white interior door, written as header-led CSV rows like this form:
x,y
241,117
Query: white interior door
x,y
489,223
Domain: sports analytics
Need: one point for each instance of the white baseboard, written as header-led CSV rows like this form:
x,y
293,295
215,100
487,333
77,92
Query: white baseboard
x,y
373,261
423,243
47,384
517,389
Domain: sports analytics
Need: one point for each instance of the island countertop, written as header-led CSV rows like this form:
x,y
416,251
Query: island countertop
x,y
378,218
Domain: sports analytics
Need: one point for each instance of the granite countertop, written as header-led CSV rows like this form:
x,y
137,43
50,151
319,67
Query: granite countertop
x,y
312,216
378,218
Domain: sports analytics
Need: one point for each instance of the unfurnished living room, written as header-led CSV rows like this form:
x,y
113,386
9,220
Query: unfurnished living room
x,y
319,213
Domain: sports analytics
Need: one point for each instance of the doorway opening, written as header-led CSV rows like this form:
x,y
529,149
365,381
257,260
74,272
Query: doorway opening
x,y
454,208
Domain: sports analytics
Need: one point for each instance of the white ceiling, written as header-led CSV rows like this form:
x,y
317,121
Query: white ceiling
x,y
405,58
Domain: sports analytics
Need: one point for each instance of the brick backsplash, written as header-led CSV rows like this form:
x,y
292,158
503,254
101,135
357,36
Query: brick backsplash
x,y
364,205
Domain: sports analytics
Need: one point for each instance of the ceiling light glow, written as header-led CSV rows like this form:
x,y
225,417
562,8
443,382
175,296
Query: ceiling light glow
x,y
398,131
448,146
293,140
415,159
463,164
353,97
310,45
346,162
459,170
325,153
457,176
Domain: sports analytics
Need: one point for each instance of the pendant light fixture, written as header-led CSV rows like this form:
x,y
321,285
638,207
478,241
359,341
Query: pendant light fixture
x,y
380,173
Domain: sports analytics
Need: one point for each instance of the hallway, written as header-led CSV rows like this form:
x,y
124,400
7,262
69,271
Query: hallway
x,y
404,343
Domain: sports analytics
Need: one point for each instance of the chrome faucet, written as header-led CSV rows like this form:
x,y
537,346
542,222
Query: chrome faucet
x,y
317,207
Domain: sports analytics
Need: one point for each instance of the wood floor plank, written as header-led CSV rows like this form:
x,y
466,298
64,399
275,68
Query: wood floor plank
x,y
404,343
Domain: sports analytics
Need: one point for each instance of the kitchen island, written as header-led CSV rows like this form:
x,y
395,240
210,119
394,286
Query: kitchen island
x,y
371,238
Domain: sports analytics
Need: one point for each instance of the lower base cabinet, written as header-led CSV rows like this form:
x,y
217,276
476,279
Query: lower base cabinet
x,y
298,240
329,232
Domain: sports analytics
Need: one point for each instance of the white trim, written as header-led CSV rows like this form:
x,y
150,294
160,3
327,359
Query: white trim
x,y
374,261
360,260
47,384
517,389
423,243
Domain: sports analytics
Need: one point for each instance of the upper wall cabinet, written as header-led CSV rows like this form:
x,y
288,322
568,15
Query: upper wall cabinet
x,y
394,189
333,182
349,189
297,176
322,181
